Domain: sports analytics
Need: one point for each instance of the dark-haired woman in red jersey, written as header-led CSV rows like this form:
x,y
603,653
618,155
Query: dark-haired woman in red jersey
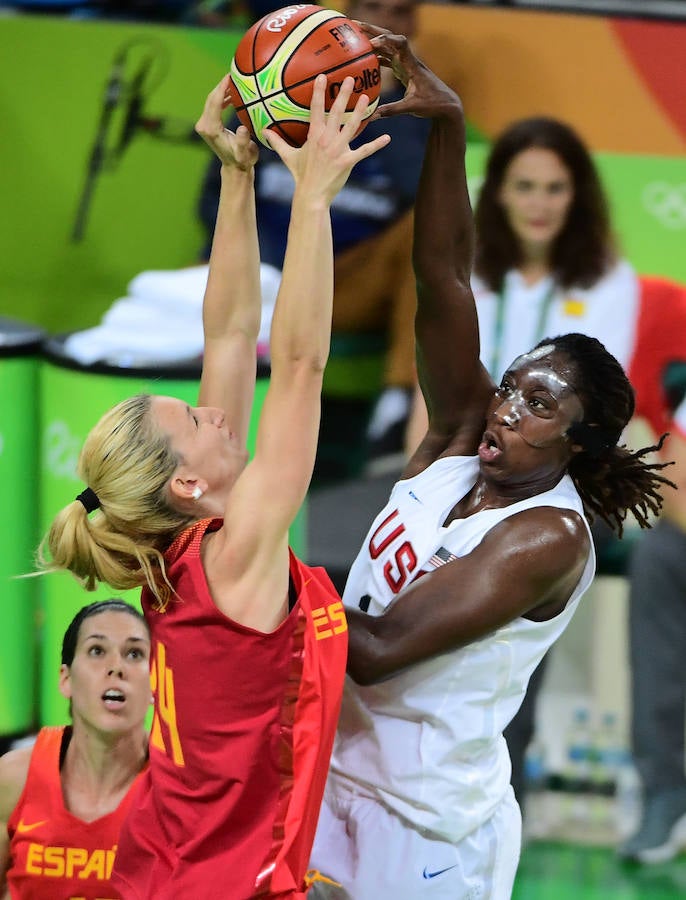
x,y
63,799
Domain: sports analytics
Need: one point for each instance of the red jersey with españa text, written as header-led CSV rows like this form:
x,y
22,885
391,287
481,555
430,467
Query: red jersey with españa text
x,y
53,854
240,743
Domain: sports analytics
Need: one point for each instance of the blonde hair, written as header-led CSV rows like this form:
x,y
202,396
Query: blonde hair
x,y
128,462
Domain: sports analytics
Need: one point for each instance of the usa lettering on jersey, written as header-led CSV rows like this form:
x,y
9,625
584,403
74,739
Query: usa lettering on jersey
x,y
403,561
402,566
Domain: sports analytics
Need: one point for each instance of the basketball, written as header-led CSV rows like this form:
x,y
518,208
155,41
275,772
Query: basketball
x,y
279,57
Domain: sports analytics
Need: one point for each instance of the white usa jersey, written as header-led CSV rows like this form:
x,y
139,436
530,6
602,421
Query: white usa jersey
x,y
428,743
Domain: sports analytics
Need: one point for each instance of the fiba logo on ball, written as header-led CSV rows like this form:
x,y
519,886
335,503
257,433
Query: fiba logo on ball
x,y
278,59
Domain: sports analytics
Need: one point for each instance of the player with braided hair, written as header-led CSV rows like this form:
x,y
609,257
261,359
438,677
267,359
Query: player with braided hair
x,y
611,480
471,571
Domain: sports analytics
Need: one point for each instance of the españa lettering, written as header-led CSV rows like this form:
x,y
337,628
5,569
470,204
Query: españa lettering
x,y
69,862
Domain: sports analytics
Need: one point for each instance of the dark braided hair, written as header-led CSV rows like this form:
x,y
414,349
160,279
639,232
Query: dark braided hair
x,y
611,480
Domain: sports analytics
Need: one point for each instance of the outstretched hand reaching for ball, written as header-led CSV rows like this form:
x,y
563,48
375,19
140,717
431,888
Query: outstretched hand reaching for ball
x,y
232,149
325,160
425,94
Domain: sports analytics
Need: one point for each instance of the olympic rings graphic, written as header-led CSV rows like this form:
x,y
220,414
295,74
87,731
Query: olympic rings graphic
x,y
666,203
61,450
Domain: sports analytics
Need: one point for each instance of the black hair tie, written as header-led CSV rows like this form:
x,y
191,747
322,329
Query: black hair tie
x,y
89,499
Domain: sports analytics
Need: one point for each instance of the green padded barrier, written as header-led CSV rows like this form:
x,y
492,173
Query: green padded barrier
x,y
19,346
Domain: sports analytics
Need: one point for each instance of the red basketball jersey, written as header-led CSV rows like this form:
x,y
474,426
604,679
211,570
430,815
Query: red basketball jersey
x,y
54,855
240,744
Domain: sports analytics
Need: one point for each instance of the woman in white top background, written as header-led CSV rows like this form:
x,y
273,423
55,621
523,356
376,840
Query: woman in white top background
x,y
546,259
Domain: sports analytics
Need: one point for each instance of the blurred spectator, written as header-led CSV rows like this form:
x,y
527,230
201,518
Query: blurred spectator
x,y
168,11
172,11
657,588
227,13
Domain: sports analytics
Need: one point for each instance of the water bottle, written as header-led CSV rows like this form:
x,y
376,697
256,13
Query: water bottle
x,y
535,813
578,754
607,753
628,798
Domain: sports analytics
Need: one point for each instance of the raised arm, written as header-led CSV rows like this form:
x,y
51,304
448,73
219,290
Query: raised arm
x,y
455,385
232,302
269,493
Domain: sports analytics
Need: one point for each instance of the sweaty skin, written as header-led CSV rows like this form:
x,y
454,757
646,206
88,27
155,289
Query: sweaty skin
x,y
531,392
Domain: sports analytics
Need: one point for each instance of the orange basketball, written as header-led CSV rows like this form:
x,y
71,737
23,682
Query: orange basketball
x,y
278,59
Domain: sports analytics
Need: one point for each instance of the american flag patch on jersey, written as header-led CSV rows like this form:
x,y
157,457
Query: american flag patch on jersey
x,y
441,557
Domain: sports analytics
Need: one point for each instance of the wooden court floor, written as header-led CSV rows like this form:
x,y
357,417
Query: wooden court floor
x,y
550,871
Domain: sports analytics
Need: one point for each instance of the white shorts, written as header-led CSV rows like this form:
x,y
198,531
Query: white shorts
x,y
375,855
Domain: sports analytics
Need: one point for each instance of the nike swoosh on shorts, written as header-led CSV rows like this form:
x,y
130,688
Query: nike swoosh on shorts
x,y
426,874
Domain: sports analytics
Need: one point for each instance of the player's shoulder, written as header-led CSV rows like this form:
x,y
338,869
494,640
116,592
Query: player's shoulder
x,y
14,768
554,535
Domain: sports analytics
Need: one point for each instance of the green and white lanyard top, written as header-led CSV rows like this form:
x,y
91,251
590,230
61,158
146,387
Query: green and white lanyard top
x,y
499,325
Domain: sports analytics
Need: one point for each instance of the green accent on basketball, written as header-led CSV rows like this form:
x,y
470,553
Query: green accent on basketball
x,y
269,80
246,86
260,118
281,106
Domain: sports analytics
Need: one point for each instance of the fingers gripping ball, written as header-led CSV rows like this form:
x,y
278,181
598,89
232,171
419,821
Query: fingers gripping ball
x,y
279,58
